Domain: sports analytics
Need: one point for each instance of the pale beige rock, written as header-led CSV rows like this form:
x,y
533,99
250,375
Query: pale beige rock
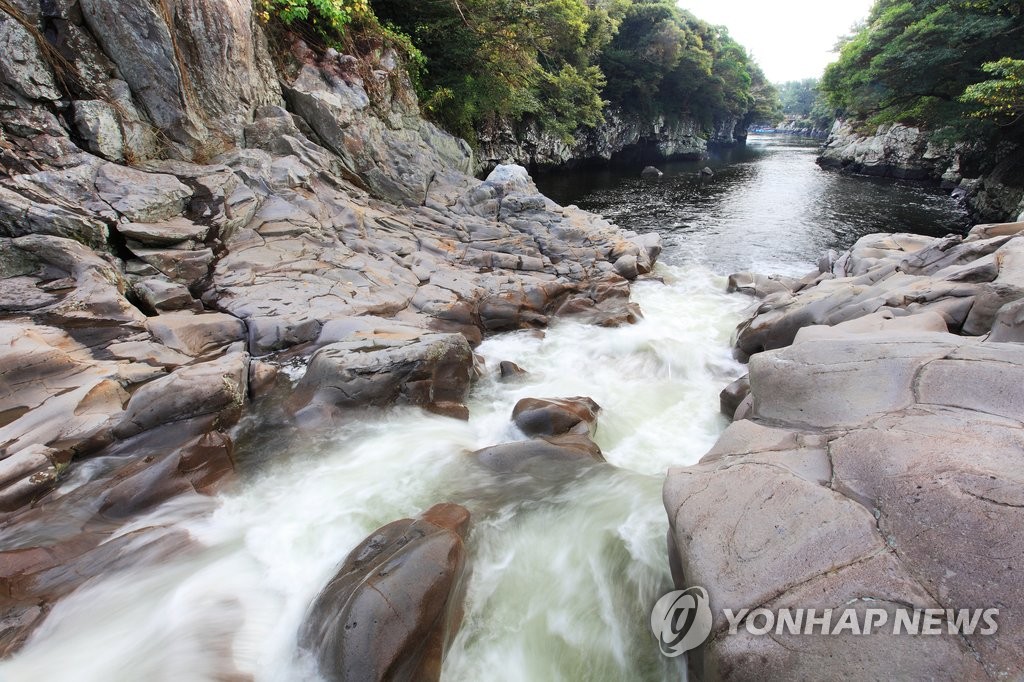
x,y
196,334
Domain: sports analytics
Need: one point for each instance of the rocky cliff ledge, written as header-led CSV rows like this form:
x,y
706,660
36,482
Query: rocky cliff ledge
x,y
179,217
874,461
991,181
622,138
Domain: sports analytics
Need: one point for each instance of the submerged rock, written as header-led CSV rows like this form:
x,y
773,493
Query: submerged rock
x,y
395,604
541,457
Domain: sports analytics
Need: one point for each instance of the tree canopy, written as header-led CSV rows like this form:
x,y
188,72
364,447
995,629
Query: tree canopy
x,y
561,62
937,63
804,102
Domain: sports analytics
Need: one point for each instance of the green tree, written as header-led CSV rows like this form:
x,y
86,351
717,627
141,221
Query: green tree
x,y
914,59
559,62
1000,98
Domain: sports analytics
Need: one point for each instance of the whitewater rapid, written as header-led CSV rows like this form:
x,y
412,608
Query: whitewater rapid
x,y
563,575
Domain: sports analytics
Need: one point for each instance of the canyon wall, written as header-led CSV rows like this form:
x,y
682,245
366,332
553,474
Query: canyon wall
x,y
991,181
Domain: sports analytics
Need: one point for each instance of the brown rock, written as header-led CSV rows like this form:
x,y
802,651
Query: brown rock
x,y
395,604
536,417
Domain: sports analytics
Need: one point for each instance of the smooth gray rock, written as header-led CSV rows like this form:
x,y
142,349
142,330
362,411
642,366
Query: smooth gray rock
x,y
1009,323
176,231
160,295
881,462
374,369
196,335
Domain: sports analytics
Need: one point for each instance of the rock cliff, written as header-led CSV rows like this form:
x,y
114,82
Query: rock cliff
x,y
990,180
622,138
182,212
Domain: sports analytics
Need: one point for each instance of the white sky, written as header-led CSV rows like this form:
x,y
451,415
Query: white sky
x,y
790,39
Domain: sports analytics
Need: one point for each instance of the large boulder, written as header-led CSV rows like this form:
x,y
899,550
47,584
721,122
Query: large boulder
x,y
379,368
218,387
879,464
395,604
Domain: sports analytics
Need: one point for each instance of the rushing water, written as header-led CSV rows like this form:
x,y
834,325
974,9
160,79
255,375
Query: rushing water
x,y
563,573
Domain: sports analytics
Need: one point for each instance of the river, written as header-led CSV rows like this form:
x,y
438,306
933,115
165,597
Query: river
x,y
563,572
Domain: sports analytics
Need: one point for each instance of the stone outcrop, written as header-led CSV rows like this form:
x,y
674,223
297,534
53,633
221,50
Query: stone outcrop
x,y
990,180
179,219
873,463
621,137
396,602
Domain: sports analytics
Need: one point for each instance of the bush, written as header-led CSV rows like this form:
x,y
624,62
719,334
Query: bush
x,y
327,17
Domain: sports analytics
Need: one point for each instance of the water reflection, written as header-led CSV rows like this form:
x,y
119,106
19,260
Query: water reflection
x,y
768,207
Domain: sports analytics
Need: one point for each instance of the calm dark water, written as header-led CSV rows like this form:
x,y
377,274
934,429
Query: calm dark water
x,y
769,208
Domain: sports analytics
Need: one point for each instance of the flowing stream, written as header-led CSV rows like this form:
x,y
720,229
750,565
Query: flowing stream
x,y
563,572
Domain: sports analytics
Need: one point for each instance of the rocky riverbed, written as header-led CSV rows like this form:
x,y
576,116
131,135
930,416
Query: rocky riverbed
x,y
187,223
874,460
179,220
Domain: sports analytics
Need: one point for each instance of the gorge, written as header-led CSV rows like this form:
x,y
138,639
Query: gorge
x,y
288,393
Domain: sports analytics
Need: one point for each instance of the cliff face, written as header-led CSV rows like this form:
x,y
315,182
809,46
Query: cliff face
x,y
625,138
991,181
175,212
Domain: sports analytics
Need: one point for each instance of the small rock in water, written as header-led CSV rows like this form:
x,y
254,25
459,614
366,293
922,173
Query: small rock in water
x,y
510,371
536,417
651,173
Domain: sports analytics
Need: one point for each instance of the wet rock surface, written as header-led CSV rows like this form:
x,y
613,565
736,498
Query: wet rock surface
x,y
560,441
396,602
876,457
178,221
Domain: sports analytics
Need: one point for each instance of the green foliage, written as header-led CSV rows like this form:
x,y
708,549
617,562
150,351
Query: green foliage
x,y
804,102
914,59
560,62
328,17
1001,98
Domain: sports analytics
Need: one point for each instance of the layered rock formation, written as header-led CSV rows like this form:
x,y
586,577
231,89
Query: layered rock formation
x,y
622,137
990,180
174,206
874,462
